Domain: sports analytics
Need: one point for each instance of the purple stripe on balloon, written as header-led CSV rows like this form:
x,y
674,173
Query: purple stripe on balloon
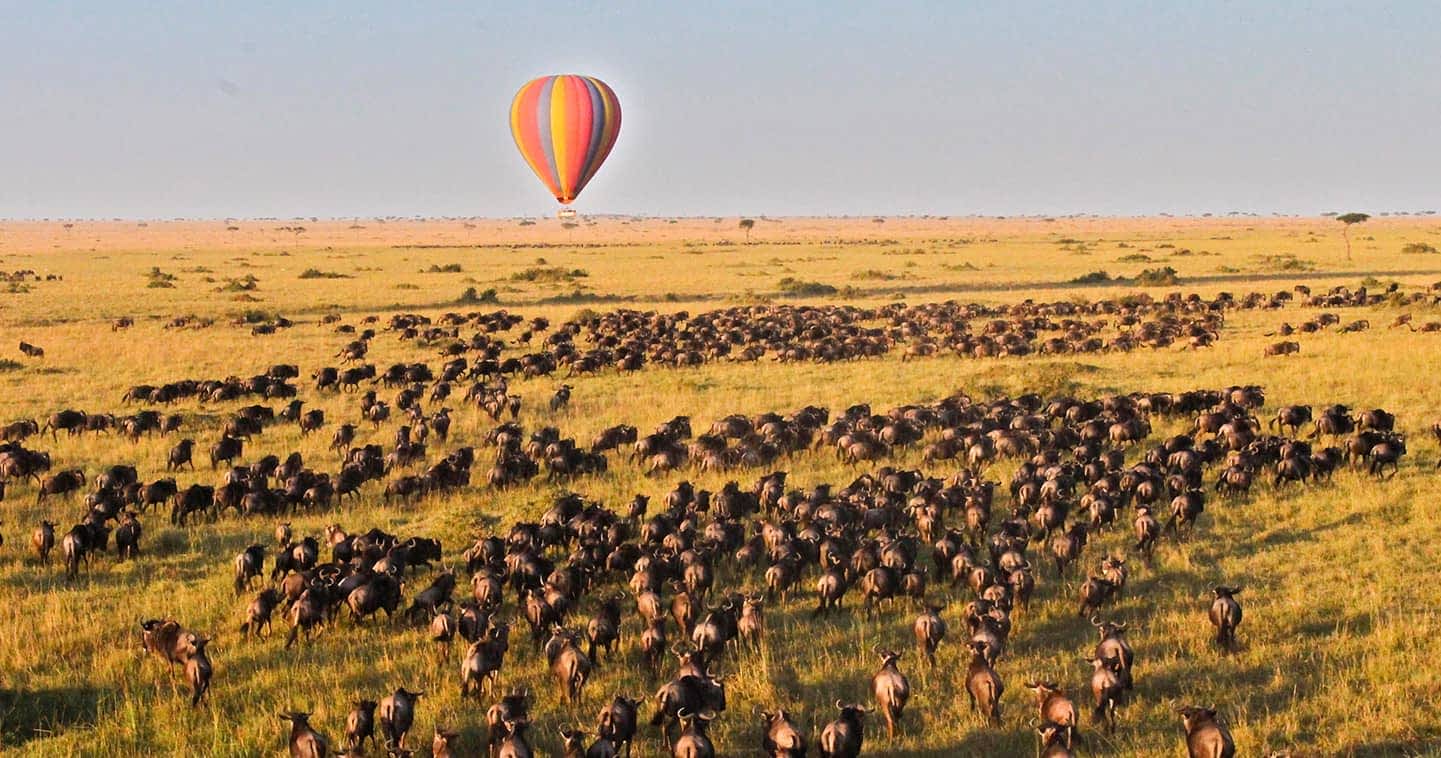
x,y
597,129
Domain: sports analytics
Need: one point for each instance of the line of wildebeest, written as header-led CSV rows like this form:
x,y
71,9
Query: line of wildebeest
x,y
869,536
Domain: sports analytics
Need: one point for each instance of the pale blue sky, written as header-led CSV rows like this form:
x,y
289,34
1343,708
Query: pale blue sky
x,y
204,109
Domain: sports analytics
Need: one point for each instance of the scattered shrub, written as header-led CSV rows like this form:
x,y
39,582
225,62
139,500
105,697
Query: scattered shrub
x,y
471,296
1158,277
449,268
315,273
247,283
1419,248
548,274
1095,277
793,287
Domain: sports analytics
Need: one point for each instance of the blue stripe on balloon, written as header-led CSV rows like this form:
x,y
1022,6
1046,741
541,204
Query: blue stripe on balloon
x,y
542,122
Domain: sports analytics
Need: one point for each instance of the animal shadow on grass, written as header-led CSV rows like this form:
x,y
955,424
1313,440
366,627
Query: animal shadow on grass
x,y
32,714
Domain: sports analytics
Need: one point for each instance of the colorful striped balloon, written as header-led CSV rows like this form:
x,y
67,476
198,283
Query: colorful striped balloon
x,y
565,127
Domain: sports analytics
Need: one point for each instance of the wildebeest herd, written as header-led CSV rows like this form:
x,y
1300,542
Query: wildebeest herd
x,y
680,578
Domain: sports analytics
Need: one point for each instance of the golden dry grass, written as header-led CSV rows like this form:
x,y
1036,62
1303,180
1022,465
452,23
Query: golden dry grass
x,y
1341,626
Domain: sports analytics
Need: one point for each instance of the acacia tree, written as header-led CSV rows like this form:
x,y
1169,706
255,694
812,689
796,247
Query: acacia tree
x,y
1347,220
747,224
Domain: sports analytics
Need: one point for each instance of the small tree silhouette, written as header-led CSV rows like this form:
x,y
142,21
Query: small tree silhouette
x,y
1347,219
746,225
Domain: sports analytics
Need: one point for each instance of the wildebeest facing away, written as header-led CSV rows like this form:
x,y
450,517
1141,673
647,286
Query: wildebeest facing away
x,y
891,689
1205,736
304,741
1225,614
397,715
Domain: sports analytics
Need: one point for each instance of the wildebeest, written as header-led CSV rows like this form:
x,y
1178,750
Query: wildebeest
x,y
1055,708
780,737
258,613
1108,690
569,665
60,483
1225,614
397,715
844,737
198,669
1205,736
891,689
360,725
984,686
42,540
304,741
686,693
226,449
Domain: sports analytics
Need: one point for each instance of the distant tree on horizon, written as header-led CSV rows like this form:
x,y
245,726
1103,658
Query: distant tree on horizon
x,y
1347,220
746,225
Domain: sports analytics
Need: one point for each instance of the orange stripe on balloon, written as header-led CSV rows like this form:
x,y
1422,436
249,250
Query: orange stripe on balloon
x,y
525,128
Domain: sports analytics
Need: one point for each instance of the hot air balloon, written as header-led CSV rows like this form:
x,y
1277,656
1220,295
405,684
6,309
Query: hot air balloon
x,y
565,127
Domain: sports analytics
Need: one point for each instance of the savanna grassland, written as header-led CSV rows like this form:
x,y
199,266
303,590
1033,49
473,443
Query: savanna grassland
x,y
1337,651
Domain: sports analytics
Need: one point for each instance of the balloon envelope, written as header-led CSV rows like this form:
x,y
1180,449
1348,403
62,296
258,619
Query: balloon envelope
x,y
565,127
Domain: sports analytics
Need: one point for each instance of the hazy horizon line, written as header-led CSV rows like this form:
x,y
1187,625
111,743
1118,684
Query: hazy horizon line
x,y
760,217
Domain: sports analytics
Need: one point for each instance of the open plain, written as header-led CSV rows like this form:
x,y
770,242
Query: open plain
x,y
1335,655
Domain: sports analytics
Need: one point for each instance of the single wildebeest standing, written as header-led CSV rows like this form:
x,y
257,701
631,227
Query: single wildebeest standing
x,y
127,536
568,664
249,564
1055,708
43,540
197,668
891,690
305,742
781,738
843,737
226,449
397,715
1205,736
167,640
693,742
929,629
360,725
1225,615
984,685
258,613
1108,690
180,455
617,722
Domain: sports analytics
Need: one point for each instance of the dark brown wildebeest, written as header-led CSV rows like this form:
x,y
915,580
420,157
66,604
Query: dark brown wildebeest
x,y
1225,614
1282,348
226,449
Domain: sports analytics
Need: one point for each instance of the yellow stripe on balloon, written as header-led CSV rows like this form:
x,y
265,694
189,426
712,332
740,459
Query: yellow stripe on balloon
x,y
559,138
